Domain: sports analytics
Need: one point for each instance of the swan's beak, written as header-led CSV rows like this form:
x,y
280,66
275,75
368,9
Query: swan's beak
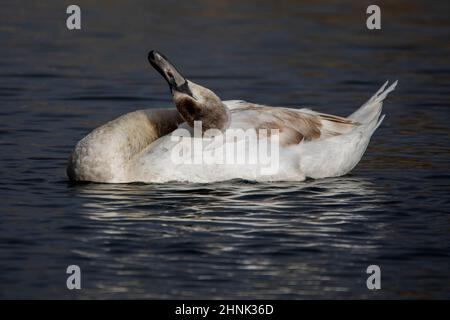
x,y
173,77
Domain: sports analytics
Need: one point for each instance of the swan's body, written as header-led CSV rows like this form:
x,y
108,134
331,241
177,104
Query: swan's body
x,y
138,146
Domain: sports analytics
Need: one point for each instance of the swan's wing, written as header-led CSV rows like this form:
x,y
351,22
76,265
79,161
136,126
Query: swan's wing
x,y
332,125
234,104
294,125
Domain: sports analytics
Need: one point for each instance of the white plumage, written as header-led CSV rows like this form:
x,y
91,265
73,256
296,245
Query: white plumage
x,y
138,146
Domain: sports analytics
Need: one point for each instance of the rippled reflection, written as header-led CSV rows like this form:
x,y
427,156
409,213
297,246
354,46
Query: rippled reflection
x,y
215,231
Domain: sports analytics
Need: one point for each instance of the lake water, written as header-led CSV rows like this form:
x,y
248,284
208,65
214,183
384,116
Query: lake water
x,y
235,239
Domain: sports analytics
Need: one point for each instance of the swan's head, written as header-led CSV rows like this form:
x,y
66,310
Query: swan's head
x,y
194,102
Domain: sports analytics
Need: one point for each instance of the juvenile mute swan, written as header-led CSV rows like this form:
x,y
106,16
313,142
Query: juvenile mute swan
x,y
191,143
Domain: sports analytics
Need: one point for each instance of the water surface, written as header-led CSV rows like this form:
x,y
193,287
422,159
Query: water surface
x,y
235,239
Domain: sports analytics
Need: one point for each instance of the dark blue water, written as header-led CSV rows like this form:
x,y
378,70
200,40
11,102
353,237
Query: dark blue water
x,y
234,239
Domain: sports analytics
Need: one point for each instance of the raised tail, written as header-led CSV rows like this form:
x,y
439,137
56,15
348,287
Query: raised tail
x,y
370,112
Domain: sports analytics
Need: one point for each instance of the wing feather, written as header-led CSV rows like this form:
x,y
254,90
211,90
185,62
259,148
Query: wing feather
x,y
294,125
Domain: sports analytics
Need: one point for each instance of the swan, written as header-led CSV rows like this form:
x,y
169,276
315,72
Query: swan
x,y
155,145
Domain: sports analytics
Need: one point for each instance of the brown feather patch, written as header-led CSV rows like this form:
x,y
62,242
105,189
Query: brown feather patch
x,y
293,126
337,119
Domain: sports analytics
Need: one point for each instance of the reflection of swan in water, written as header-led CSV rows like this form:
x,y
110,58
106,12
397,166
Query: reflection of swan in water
x,y
258,203
139,147
180,234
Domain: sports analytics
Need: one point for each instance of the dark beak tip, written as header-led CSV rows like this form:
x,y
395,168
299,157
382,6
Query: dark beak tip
x,y
151,55
162,65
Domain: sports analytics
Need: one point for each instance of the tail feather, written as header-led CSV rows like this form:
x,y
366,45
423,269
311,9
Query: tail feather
x,y
371,110
380,120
